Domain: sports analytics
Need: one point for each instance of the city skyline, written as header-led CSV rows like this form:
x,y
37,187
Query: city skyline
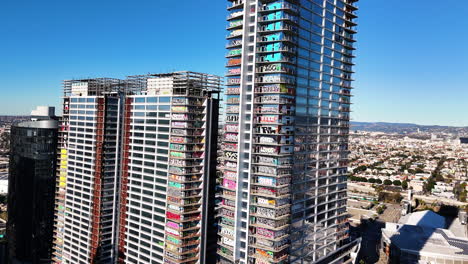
x,y
399,70
233,132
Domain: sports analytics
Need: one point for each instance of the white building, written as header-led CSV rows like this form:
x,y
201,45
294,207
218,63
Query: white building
x,y
422,238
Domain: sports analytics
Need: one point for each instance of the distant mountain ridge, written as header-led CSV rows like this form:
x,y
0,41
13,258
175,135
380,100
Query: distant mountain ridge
x,y
405,128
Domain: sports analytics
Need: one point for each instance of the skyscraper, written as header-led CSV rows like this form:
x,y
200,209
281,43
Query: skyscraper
x,y
32,188
88,177
169,157
289,70
137,165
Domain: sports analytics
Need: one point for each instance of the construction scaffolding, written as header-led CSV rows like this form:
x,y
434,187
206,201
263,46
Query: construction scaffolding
x,y
184,83
94,86
97,192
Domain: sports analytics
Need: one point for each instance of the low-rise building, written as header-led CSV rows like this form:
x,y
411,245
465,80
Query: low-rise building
x,y
417,185
442,189
422,237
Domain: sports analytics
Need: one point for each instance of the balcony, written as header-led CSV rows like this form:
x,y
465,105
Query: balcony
x,y
278,6
174,259
352,30
237,14
225,253
234,53
276,58
224,212
271,246
181,251
190,242
270,223
221,244
228,194
234,43
237,4
272,236
280,28
235,33
183,218
275,18
273,203
350,8
271,185
235,24
278,37
271,192
234,62
184,194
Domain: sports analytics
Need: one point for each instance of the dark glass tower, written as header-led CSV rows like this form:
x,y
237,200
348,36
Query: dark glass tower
x,y
32,188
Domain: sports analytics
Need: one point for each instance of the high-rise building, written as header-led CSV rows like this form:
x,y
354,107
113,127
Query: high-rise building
x,y
283,197
88,174
31,186
169,168
137,164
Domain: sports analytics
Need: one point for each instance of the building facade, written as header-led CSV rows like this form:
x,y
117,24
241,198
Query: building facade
x,y
135,163
283,197
169,159
32,188
87,182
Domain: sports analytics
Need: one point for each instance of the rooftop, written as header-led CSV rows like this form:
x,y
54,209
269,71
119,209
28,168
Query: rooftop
x,y
424,218
426,241
425,233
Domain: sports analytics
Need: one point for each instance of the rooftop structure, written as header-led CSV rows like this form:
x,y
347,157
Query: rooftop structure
x,y
423,238
425,219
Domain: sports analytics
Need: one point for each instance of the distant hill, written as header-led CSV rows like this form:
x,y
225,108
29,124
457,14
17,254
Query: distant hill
x,y
405,128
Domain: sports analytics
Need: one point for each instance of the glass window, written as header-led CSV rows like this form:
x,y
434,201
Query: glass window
x,y
164,99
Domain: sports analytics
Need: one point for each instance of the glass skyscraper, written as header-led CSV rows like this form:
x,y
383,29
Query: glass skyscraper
x,y
31,188
283,181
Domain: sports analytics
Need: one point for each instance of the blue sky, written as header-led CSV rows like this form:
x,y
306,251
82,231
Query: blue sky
x,y
411,66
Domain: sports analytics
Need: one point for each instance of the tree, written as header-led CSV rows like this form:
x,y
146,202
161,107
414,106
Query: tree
x,y
404,184
381,209
462,196
460,192
439,177
429,185
387,182
378,181
359,169
419,170
372,180
397,183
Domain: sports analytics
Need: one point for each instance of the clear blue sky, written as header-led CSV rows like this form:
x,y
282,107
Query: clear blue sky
x,y
412,60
